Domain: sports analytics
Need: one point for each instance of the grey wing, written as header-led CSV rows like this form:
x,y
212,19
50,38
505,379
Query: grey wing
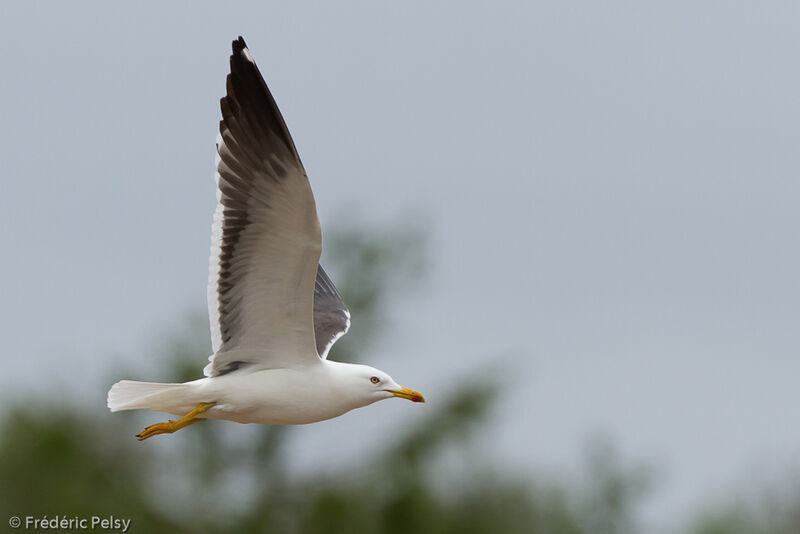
x,y
331,316
265,239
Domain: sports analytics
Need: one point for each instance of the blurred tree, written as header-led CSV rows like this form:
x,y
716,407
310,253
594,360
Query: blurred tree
x,y
56,458
611,491
773,511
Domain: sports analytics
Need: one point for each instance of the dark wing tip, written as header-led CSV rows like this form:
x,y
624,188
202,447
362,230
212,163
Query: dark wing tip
x,y
239,45
241,54
248,94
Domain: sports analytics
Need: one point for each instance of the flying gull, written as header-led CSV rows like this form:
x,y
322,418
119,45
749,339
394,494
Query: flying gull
x,y
273,310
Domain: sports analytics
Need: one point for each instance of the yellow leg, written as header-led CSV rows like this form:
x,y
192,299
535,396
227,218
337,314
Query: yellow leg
x,y
171,426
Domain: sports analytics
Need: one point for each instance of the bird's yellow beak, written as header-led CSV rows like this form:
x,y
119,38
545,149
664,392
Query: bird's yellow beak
x,y
406,393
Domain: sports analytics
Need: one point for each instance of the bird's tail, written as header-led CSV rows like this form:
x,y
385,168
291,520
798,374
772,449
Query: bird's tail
x,y
133,395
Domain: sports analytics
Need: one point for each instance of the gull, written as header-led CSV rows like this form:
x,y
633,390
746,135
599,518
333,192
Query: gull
x,y
274,312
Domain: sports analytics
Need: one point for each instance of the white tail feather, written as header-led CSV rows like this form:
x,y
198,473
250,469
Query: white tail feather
x,y
133,395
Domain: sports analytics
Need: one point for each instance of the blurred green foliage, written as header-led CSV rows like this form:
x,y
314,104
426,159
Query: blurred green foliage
x,y
64,459
773,510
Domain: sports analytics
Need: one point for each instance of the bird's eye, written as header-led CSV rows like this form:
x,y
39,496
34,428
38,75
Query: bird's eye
x,y
375,380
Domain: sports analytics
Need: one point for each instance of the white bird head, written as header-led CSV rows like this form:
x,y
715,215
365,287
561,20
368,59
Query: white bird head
x,y
367,384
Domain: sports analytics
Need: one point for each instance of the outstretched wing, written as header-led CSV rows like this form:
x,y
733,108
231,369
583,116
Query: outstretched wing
x,y
266,238
331,316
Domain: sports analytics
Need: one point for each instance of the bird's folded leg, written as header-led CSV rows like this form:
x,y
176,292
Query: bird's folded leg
x,y
171,426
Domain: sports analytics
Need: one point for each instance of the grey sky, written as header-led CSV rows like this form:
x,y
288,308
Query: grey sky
x,y
612,191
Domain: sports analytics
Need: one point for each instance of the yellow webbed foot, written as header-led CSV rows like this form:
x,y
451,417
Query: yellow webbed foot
x,y
158,428
171,426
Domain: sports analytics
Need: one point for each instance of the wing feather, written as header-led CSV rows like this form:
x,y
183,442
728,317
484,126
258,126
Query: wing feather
x,y
331,316
265,237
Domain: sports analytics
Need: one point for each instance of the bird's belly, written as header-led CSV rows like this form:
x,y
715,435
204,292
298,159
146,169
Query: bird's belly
x,y
276,415
277,397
